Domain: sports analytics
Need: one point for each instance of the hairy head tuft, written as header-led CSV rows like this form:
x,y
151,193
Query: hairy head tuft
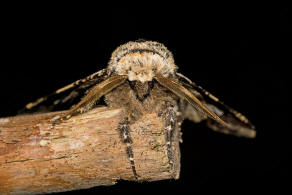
x,y
141,60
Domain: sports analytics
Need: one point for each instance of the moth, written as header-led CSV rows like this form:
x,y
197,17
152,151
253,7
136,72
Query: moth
x,y
142,77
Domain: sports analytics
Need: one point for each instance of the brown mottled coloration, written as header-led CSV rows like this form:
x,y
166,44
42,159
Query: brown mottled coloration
x,y
142,78
156,102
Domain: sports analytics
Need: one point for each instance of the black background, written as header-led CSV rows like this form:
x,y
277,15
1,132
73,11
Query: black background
x,y
239,53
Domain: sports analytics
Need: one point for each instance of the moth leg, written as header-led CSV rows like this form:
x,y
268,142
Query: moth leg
x,y
126,137
170,126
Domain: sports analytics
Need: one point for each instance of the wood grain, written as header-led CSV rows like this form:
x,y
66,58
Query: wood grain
x,y
82,152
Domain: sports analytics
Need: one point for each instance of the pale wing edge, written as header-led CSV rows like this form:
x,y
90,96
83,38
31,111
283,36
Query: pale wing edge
x,y
65,94
239,124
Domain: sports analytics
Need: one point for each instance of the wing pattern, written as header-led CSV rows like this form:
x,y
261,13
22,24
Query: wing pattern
x,y
67,96
239,125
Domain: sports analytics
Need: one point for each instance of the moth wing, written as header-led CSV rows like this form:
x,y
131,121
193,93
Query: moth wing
x,y
67,96
185,94
95,93
238,124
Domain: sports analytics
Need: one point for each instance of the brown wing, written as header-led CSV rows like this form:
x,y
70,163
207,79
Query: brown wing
x,y
95,93
239,125
67,96
183,93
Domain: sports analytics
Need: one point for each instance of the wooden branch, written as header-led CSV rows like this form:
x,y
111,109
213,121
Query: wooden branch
x,y
83,152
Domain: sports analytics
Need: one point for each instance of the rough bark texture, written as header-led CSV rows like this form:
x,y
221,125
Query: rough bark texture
x,y
83,152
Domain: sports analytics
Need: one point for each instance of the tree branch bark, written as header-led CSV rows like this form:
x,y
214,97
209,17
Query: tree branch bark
x,y
83,152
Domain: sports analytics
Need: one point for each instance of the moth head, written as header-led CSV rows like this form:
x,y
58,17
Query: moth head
x,y
142,60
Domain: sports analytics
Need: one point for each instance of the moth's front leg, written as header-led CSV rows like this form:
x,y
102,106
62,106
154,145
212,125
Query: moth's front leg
x,y
124,129
170,125
59,119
